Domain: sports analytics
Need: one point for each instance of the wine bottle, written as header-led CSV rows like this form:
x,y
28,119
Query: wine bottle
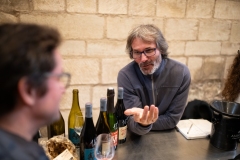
x,y
112,120
102,123
56,128
72,135
121,117
88,135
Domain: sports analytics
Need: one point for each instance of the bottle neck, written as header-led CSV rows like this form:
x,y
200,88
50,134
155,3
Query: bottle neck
x,y
75,102
103,114
120,108
110,104
103,118
120,101
88,123
88,119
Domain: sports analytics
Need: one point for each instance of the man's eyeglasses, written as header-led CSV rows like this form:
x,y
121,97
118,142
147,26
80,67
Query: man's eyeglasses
x,y
64,78
147,52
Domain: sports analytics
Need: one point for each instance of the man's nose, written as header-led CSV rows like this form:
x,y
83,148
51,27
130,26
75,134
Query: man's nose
x,y
143,57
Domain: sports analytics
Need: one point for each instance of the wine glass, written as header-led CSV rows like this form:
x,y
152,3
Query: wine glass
x,y
104,148
78,123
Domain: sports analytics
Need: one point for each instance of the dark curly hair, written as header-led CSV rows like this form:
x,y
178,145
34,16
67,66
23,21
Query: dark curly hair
x,y
232,86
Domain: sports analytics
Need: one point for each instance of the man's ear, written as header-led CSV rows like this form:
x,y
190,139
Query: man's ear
x,y
26,93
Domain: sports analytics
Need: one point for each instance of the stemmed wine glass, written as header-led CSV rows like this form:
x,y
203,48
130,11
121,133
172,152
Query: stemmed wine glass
x,y
104,148
78,123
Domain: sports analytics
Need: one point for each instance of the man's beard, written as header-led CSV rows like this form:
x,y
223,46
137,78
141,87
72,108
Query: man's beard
x,y
156,63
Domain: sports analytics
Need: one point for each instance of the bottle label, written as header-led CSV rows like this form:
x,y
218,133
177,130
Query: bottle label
x,y
74,137
115,126
89,154
115,137
66,154
122,132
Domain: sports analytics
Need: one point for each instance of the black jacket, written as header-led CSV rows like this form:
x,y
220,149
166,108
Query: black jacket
x,y
13,147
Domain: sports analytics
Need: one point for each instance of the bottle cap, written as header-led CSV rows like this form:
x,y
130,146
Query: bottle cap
x,y
120,92
110,92
75,90
103,104
88,110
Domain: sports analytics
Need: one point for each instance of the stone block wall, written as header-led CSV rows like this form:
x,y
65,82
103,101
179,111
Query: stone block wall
x,y
203,34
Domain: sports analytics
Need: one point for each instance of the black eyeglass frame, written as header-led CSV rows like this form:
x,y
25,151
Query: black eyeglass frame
x,y
143,52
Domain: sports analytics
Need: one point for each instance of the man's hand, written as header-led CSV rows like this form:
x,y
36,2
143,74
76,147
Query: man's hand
x,y
144,116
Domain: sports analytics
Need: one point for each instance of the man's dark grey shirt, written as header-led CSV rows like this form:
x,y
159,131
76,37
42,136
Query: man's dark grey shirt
x,y
167,88
13,147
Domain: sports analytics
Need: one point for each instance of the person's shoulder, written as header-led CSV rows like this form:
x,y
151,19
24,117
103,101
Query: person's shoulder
x,y
5,137
175,63
15,147
7,145
129,67
177,67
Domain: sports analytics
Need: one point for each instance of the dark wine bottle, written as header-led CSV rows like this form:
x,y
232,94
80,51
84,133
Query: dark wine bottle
x,y
102,123
72,135
88,135
121,117
56,128
112,119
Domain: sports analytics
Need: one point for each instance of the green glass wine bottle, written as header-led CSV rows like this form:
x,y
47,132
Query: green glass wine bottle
x,y
72,135
112,120
56,128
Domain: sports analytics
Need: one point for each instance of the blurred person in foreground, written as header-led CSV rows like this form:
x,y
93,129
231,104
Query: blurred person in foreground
x,y
155,86
32,82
